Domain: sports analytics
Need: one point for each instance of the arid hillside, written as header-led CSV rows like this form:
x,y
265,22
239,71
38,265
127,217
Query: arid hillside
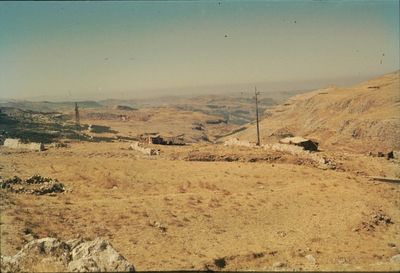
x,y
205,205
361,118
167,121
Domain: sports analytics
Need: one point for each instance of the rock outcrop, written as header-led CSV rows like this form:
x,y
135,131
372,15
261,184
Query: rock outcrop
x,y
15,143
137,146
51,254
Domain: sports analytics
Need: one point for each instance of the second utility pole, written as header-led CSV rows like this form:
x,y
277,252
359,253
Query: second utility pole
x,y
258,127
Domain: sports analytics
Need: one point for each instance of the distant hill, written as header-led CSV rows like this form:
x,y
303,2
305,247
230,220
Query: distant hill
x,y
48,106
362,118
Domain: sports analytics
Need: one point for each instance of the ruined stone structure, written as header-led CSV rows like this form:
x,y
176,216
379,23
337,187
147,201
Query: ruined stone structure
x,y
161,140
307,144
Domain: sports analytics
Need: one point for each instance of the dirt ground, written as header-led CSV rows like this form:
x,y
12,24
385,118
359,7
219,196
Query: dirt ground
x,y
166,213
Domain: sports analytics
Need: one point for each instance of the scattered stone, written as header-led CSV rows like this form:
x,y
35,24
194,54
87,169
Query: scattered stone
x,y
378,218
391,245
137,146
300,252
282,133
281,234
158,225
37,179
59,145
201,156
395,259
311,258
216,264
237,142
279,264
381,218
37,185
73,256
258,255
388,155
29,237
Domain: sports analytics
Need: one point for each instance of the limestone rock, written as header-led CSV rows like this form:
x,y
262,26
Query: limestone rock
x,y
51,254
395,259
97,255
311,258
15,143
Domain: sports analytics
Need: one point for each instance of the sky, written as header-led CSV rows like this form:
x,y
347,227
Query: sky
x,y
130,49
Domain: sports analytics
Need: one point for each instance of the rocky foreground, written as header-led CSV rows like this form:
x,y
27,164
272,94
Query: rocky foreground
x,y
51,254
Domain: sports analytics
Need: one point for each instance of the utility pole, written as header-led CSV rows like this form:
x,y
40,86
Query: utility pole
x,y
258,126
77,119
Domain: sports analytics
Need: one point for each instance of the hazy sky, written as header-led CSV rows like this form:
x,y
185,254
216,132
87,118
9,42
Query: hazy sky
x,y
76,49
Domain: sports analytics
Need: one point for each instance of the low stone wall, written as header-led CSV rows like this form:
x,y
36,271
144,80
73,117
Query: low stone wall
x,y
15,143
237,142
299,151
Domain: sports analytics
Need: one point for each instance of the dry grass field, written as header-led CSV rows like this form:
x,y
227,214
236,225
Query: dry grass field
x,y
200,136
168,213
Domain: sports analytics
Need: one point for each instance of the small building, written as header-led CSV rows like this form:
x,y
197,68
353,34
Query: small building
x,y
307,144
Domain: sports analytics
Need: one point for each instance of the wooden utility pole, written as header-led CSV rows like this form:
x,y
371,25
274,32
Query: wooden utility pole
x,y
77,120
258,126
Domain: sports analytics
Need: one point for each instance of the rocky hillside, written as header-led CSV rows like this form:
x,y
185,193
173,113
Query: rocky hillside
x,y
361,118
